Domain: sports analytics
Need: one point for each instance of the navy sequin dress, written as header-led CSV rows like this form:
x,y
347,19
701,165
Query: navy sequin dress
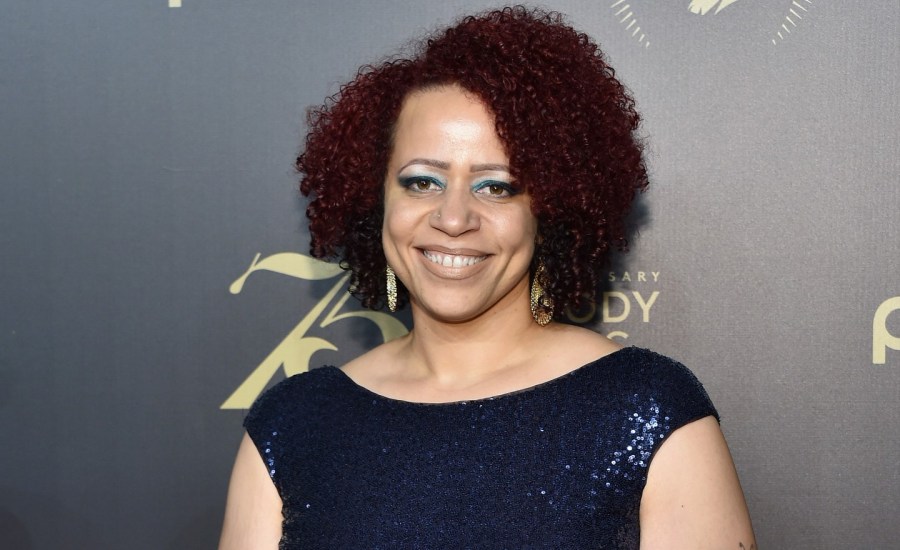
x,y
559,465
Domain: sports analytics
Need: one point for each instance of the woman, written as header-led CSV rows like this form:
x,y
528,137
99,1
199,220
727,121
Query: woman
x,y
482,182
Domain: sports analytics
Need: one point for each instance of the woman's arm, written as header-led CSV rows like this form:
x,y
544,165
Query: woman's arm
x,y
693,498
253,510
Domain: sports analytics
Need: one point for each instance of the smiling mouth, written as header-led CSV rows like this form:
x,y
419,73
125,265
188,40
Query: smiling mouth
x,y
452,260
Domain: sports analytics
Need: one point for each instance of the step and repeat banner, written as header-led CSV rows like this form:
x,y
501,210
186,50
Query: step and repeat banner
x,y
155,276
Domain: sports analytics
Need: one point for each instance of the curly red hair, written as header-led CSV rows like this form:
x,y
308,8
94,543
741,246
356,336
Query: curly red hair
x,y
569,127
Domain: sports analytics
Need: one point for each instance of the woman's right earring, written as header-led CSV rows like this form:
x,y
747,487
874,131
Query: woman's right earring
x,y
391,288
541,303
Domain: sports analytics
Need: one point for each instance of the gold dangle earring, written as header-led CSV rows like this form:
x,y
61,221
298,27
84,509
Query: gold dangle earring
x,y
391,288
541,303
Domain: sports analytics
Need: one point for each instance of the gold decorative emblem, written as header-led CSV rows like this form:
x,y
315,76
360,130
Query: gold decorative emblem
x,y
796,10
626,13
294,352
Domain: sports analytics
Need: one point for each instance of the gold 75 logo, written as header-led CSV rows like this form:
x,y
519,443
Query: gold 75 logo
x,y
295,351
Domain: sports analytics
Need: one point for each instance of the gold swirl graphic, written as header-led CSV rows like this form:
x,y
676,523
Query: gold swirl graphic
x,y
294,352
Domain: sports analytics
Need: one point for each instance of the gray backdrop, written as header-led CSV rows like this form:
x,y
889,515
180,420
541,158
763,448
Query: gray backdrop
x,y
145,157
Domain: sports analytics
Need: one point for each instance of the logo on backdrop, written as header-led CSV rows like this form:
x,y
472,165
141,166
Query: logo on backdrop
x,y
634,295
882,340
294,352
794,12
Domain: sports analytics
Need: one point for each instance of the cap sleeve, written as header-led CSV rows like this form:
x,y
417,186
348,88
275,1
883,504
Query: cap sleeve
x,y
678,393
266,422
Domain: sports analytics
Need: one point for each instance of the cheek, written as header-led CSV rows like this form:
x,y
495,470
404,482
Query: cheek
x,y
398,222
390,213
520,228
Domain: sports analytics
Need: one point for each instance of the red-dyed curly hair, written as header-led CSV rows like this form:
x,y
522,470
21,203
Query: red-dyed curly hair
x,y
569,127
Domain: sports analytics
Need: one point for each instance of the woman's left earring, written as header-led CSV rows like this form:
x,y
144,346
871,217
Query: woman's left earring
x,y
541,302
391,288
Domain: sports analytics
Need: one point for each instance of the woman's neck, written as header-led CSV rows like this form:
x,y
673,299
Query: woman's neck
x,y
460,354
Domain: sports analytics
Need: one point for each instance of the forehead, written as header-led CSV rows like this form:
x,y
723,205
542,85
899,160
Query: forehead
x,y
434,100
446,120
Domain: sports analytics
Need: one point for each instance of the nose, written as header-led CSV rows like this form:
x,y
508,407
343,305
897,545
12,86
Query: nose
x,y
455,213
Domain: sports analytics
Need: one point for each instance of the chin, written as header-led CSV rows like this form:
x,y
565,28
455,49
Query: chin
x,y
448,312
452,317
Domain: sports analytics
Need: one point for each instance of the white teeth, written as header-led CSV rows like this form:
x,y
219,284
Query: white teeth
x,y
452,260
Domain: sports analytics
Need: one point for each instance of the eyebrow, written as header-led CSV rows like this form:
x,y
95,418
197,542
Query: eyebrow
x,y
441,165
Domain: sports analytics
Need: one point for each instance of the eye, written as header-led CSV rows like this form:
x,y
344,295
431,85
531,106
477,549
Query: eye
x,y
421,184
495,189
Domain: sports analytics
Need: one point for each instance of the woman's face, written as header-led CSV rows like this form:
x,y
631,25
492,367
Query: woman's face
x,y
457,230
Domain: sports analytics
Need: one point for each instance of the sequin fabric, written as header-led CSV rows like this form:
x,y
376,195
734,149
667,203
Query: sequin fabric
x,y
559,465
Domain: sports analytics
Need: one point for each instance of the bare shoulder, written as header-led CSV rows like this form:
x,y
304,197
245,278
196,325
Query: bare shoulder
x,y
253,509
573,346
693,498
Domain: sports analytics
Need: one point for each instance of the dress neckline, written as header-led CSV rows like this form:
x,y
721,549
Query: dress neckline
x,y
528,390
